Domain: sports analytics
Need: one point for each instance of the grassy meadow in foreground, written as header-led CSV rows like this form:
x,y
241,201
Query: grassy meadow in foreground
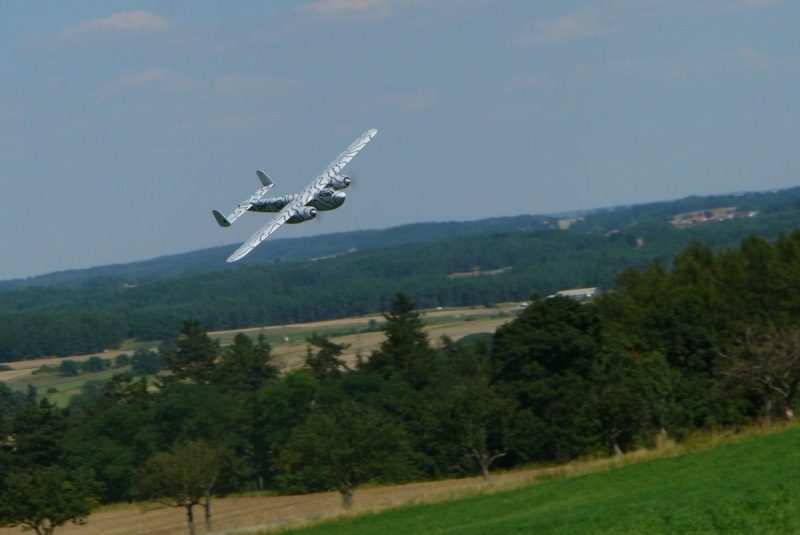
x,y
750,487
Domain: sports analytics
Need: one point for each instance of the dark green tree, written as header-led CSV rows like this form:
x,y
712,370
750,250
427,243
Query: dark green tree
x,y
325,364
93,364
68,368
543,361
273,414
767,363
183,476
44,499
113,436
406,350
146,362
631,398
476,423
346,446
195,355
245,366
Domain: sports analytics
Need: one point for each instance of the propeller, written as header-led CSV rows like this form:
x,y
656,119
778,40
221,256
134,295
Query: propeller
x,y
353,181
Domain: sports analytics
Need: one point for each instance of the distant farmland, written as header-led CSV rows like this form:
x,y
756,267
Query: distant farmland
x,y
287,341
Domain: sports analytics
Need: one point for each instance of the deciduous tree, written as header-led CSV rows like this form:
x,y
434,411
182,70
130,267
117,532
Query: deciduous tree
x,y
769,363
45,499
346,446
182,477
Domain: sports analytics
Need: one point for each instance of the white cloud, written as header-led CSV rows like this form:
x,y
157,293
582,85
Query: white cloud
x,y
752,58
754,4
582,24
412,100
334,7
135,21
156,77
755,60
537,81
234,84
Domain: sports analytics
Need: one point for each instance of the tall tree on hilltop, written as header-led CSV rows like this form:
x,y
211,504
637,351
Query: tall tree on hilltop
x,y
245,366
326,363
406,350
195,355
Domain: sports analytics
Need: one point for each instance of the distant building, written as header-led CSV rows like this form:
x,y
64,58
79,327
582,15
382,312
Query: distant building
x,y
579,294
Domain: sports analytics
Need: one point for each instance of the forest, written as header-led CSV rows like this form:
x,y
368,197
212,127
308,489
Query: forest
x,y
707,341
102,312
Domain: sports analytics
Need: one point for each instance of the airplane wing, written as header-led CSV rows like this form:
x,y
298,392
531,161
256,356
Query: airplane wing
x,y
335,167
319,183
263,233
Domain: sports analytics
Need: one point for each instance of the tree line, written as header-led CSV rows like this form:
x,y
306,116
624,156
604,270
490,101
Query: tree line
x,y
712,342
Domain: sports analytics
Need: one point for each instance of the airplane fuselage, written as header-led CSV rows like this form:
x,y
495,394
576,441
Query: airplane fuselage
x,y
324,200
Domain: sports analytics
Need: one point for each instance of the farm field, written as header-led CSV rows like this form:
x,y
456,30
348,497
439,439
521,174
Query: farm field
x,y
288,344
745,483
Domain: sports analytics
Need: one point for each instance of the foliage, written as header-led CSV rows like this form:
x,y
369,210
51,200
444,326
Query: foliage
x,y
325,364
195,355
346,446
182,477
245,367
66,320
45,499
704,342
769,364
146,362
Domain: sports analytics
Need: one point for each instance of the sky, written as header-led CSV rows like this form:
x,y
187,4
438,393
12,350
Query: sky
x,y
124,123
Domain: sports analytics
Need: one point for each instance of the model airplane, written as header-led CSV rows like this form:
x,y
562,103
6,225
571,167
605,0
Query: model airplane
x,y
324,193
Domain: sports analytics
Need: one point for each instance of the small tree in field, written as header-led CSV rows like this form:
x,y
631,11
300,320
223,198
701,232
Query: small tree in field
x,y
45,499
182,477
769,363
347,446
477,422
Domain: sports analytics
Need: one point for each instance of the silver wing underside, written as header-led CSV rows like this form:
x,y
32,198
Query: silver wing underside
x,y
318,184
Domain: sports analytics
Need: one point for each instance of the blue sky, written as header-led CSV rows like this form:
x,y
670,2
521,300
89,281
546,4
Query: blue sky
x,y
124,123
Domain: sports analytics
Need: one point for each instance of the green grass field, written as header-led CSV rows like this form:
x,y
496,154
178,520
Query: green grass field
x,y
752,487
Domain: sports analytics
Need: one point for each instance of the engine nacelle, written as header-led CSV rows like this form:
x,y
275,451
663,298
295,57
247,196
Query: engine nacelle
x,y
327,199
339,182
300,215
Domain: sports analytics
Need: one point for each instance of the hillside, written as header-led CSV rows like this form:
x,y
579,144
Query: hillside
x,y
298,249
280,250
507,265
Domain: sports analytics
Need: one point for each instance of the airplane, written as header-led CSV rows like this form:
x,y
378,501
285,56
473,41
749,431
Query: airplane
x,y
323,194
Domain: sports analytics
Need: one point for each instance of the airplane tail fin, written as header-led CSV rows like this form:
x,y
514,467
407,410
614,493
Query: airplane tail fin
x,y
221,219
265,180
